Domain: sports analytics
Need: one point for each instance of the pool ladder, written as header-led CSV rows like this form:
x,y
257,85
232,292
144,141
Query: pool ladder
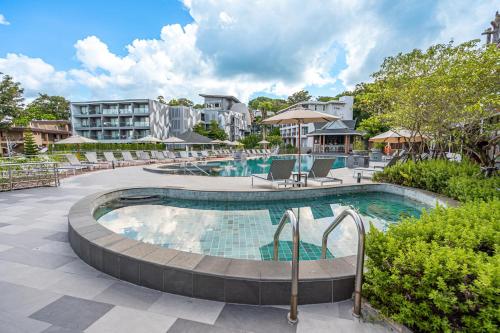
x,y
289,215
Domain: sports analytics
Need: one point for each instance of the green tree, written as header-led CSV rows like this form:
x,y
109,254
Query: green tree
x,y
274,140
326,98
161,99
45,107
180,101
372,126
447,91
215,132
11,100
30,147
200,129
299,96
198,106
251,141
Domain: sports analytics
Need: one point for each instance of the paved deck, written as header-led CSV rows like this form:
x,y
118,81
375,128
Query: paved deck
x,y
44,287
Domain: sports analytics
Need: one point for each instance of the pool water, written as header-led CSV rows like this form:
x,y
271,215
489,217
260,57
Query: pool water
x,y
245,230
242,168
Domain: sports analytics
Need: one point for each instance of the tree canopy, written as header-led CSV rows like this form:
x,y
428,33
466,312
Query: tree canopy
x,y
44,107
181,101
213,131
299,96
445,92
11,99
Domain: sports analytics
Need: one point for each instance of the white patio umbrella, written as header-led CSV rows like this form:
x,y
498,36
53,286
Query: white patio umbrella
x,y
217,142
173,140
75,139
299,116
264,143
149,138
395,136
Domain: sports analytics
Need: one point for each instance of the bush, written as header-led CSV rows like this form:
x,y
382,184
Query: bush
x,y
462,181
438,273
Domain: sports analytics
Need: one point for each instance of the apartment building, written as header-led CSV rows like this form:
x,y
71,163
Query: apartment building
x,y
342,108
131,119
45,132
231,115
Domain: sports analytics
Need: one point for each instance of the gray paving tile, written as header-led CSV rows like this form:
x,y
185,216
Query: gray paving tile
x,y
79,267
5,247
188,326
35,258
72,312
309,325
58,329
56,247
58,236
23,301
3,224
345,309
80,286
200,310
129,295
254,318
14,324
121,319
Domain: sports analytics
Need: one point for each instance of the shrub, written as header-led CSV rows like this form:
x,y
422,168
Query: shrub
x,y
438,273
462,181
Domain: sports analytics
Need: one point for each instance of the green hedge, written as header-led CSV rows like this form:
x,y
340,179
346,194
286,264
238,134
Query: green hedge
x,y
462,181
440,273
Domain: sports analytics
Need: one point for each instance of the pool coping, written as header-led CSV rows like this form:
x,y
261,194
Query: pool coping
x,y
211,277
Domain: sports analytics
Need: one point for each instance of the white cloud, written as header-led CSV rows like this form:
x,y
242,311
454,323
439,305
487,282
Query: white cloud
x,y
241,47
3,20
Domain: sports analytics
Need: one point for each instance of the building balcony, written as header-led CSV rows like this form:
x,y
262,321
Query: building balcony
x,y
141,124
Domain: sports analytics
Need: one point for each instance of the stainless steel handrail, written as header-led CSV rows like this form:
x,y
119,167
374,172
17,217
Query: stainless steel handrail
x,y
290,216
358,282
200,169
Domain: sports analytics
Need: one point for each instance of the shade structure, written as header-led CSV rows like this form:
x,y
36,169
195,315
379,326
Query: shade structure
x,y
299,116
173,139
397,136
230,143
263,142
75,139
217,142
149,138
193,138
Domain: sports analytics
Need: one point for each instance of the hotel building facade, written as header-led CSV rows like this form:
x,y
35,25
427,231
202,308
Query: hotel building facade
x,y
131,119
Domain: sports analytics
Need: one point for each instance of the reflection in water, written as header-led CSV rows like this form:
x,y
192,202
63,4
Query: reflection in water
x,y
246,229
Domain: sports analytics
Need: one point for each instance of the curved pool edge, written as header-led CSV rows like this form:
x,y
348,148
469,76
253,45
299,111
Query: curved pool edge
x,y
211,277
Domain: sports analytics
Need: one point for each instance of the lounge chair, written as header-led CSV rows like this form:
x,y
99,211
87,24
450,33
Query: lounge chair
x,y
279,173
144,155
370,171
92,158
185,156
110,157
74,164
127,157
320,171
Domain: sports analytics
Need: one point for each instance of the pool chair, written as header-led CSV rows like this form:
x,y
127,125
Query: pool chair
x,y
74,164
402,155
280,173
205,154
194,154
127,157
185,156
144,155
92,158
110,157
320,171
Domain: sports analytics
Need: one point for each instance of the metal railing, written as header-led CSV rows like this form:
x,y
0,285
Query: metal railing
x,y
360,259
25,175
290,216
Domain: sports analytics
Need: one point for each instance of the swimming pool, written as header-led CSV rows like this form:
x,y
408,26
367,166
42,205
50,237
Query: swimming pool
x,y
245,229
242,168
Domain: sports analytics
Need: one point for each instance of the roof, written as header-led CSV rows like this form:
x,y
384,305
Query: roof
x,y
191,137
299,104
338,127
139,100
221,96
55,121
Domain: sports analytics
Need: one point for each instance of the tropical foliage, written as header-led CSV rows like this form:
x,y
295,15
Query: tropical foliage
x,y
462,181
11,100
446,92
44,107
213,131
438,273
30,147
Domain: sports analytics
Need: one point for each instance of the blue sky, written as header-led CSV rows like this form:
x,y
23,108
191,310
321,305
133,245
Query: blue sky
x,y
128,49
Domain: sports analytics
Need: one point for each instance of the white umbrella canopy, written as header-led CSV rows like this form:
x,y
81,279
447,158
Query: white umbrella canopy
x,y
217,142
263,142
396,136
149,138
229,143
75,139
173,139
300,116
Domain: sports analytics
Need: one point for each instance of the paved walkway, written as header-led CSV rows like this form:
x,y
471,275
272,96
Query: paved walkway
x,y
44,287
